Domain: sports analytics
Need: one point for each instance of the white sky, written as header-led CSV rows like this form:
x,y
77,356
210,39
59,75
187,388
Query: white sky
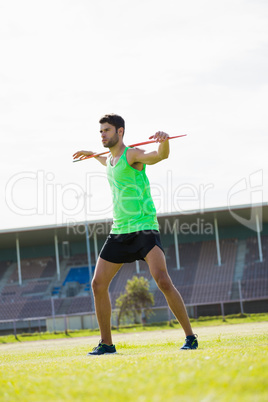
x,y
194,67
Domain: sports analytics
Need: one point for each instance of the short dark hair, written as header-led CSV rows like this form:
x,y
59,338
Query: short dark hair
x,y
113,119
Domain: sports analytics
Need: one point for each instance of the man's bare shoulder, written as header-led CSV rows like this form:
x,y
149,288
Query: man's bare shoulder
x,y
133,154
135,151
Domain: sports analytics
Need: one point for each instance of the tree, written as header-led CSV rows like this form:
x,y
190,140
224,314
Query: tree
x,y
137,298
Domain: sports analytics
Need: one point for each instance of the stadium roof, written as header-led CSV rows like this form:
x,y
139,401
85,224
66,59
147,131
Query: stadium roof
x,y
226,216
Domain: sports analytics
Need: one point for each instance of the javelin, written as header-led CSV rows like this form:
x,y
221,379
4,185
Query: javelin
x,y
133,145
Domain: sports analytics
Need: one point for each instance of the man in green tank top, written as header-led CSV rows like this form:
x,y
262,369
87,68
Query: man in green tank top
x,y
135,232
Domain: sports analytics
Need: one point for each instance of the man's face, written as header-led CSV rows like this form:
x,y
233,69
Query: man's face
x,y
109,135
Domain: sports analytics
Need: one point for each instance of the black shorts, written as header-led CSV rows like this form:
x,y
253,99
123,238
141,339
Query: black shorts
x,y
120,248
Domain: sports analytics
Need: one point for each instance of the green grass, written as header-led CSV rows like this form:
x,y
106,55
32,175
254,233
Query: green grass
x,y
200,322
230,365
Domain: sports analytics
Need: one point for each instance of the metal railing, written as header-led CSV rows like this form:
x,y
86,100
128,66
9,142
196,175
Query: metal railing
x,y
51,322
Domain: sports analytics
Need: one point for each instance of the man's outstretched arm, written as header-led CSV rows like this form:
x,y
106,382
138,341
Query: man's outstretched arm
x,y
83,154
150,158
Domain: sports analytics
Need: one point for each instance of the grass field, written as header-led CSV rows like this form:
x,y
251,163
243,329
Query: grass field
x,y
230,365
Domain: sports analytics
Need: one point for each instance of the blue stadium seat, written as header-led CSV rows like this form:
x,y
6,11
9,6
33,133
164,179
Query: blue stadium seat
x,y
80,275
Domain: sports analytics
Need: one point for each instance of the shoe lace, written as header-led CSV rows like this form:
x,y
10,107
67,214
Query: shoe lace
x,y
99,346
188,341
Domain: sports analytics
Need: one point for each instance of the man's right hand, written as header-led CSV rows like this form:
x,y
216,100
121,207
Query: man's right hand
x,y
82,154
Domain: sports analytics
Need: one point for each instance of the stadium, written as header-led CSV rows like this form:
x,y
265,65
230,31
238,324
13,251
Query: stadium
x,y
217,259
196,70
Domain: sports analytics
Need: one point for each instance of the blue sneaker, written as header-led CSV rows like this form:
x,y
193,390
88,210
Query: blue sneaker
x,y
102,349
190,342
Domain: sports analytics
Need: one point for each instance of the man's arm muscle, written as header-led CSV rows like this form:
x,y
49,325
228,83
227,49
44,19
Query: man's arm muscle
x,y
136,155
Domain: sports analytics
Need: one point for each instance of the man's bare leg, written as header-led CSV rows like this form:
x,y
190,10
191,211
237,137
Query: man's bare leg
x,y
104,273
157,265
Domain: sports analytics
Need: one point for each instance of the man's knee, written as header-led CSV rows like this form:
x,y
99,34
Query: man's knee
x,y
98,285
164,283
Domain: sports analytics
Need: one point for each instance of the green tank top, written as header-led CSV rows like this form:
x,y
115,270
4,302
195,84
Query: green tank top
x,y
133,207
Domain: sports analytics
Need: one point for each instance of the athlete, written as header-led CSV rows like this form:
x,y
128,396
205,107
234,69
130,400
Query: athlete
x,y
135,230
